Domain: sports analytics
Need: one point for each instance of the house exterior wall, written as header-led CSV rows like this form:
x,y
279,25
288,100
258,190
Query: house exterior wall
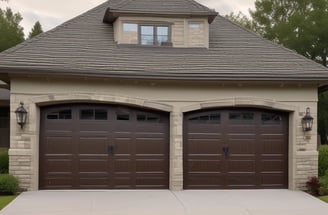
x,y
175,98
181,35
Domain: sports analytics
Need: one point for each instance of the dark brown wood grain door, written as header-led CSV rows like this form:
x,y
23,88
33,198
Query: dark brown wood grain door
x,y
235,149
88,146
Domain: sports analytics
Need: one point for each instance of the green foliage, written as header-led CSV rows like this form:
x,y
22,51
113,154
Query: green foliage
x,y
8,184
323,160
10,30
36,30
323,117
300,25
4,162
241,19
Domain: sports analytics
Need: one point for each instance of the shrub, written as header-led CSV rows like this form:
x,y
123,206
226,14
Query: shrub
x,y
324,184
8,184
313,186
4,162
323,159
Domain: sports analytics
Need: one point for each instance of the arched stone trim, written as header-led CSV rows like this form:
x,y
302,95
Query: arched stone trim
x,y
242,102
85,97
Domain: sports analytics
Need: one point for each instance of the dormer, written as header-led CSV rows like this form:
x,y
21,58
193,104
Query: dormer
x,y
155,23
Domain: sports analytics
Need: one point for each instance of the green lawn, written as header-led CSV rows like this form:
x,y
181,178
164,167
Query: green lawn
x,y
324,198
5,200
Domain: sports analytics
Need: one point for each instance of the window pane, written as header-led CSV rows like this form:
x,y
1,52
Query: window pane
x,y
162,39
130,27
194,25
148,118
163,31
271,118
214,118
147,35
87,114
123,117
100,114
147,40
64,114
147,30
241,118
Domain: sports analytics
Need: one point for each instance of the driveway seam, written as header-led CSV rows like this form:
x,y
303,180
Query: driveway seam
x,y
179,200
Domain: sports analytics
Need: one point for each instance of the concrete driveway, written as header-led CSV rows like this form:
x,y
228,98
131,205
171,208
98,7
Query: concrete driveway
x,y
241,202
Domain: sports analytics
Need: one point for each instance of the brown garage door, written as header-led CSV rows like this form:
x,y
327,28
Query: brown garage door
x,y
235,149
84,146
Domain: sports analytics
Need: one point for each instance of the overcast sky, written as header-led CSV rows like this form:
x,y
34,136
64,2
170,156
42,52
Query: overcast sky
x,y
51,13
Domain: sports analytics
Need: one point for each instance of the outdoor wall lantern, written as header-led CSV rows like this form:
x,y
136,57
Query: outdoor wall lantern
x,y
307,121
21,115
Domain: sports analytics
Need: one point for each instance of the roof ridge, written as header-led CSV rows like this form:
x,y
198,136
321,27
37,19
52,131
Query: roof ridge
x,y
277,45
44,34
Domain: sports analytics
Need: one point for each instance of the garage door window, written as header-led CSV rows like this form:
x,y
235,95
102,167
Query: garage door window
x,y
214,118
123,117
63,114
148,118
92,114
271,118
241,118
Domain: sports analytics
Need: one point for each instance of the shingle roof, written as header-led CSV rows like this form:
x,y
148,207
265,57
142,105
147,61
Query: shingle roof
x,y
84,46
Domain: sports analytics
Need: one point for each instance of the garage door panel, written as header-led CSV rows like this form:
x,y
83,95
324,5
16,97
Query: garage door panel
x,y
150,146
150,166
151,182
93,165
59,182
273,147
204,166
204,146
268,166
245,166
206,181
253,143
122,146
123,165
274,180
93,146
241,180
59,145
59,165
93,182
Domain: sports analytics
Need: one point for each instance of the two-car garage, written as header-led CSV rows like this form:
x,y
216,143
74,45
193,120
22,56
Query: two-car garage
x,y
99,146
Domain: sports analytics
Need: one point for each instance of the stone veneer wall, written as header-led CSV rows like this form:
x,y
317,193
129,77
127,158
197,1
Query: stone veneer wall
x,y
303,155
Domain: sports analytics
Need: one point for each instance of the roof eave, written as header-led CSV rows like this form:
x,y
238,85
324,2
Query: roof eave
x,y
111,14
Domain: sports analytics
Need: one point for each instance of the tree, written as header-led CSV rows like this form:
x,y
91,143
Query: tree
x,y
242,20
300,25
36,30
11,33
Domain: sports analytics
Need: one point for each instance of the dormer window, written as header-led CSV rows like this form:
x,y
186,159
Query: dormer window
x,y
146,34
155,35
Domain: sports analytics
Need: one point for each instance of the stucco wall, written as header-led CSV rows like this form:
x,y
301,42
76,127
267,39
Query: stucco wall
x,y
175,98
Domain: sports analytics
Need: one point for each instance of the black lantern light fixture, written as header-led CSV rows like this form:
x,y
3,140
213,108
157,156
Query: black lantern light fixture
x,y
21,115
307,121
